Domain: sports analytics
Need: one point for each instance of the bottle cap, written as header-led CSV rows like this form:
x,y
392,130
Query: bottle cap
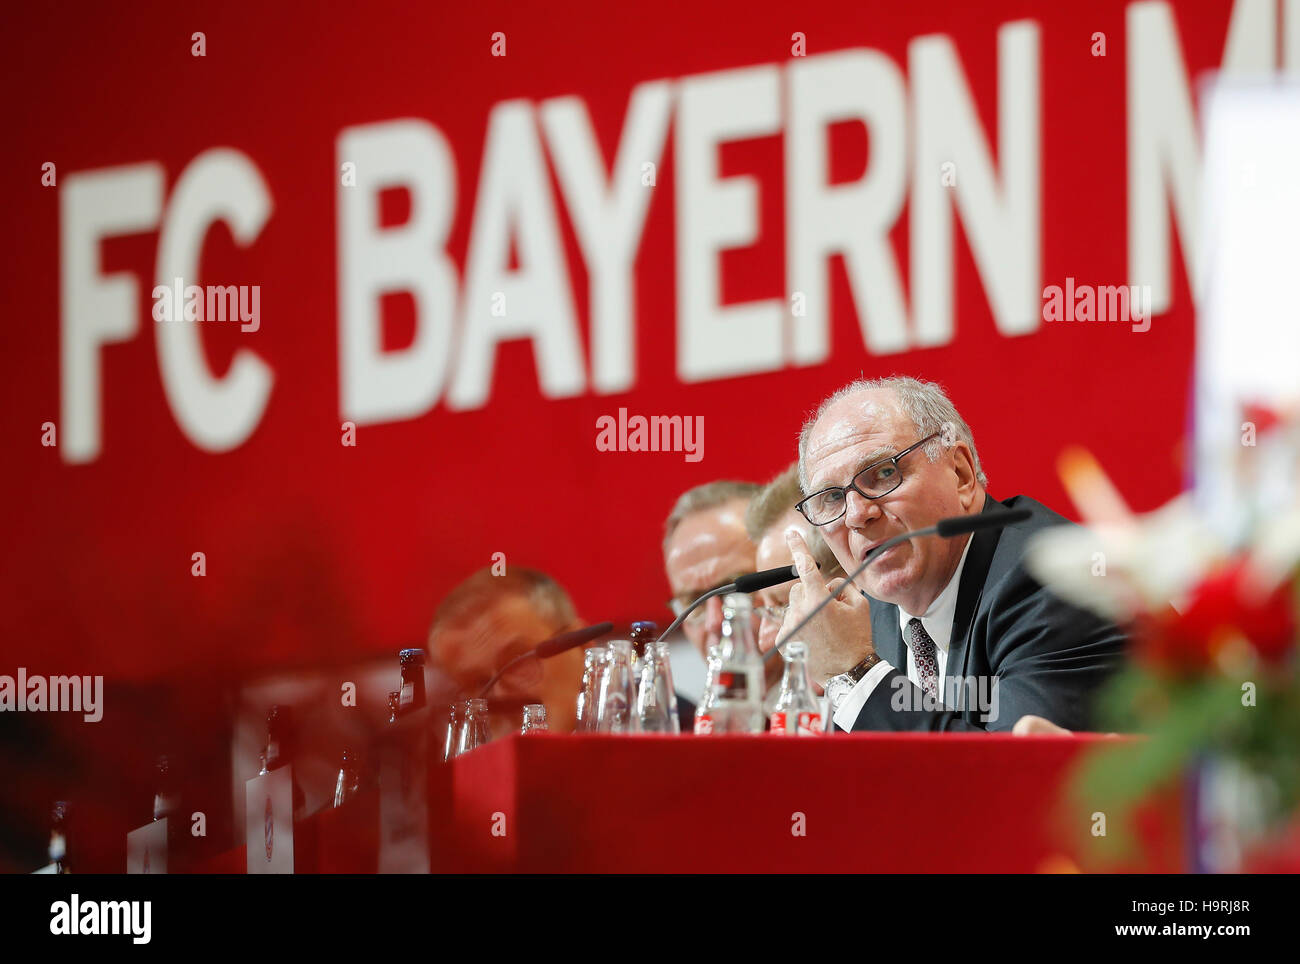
x,y
414,656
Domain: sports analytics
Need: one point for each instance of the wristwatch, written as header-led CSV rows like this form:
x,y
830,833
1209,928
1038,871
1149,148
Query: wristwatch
x,y
838,687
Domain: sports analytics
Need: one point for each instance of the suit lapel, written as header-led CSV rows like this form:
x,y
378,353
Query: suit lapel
x,y
973,576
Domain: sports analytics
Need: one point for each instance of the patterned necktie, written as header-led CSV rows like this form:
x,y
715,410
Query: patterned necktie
x,y
922,647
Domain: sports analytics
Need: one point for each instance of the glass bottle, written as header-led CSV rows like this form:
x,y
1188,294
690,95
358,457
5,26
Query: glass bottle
x,y
348,784
455,713
643,636
704,713
281,745
797,711
656,701
393,697
58,851
411,691
534,719
739,686
474,732
279,737
593,661
164,798
616,708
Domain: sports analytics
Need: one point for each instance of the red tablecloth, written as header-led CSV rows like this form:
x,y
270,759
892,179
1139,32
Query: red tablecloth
x,y
865,803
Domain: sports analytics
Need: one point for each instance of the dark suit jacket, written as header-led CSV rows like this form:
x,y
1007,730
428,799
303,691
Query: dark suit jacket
x,y
1048,656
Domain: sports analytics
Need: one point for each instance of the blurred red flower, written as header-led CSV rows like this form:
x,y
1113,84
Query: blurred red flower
x,y
1227,606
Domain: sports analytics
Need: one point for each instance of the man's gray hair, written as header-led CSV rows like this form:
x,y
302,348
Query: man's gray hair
x,y
925,403
710,495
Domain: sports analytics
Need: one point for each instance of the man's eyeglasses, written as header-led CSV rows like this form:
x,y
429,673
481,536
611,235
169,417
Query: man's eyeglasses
x,y
877,479
773,614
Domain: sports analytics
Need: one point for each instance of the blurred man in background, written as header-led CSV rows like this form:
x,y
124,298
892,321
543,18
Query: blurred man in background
x,y
487,621
706,546
771,514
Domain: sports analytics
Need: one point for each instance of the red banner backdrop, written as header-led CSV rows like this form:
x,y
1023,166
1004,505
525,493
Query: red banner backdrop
x,y
225,139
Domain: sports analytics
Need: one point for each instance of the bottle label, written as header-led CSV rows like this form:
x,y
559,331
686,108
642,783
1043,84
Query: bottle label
x,y
732,686
703,724
797,724
408,693
810,724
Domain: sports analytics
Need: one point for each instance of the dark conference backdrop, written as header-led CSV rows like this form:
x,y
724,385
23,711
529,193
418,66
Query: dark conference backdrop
x,y
475,231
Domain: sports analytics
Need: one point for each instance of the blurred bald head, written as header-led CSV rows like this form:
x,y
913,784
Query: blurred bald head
x,y
488,620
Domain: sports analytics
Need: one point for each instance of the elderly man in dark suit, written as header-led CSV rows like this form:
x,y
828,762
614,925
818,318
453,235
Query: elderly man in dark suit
x,y
947,634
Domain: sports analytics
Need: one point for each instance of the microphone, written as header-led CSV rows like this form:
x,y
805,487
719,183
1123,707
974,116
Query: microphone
x,y
765,579
547,648
566,641
945,528
749,582
962,524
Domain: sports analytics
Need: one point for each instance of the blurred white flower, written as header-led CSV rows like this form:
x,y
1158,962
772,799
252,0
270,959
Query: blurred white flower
x,y
1121,569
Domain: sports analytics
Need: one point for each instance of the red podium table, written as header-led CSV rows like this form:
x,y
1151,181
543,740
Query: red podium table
x,y
847,803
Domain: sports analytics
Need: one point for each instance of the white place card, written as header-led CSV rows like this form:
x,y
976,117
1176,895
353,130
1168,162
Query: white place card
x,y
146,848
268,816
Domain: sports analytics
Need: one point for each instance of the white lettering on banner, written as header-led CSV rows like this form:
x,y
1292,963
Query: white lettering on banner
x,y
1001,221
851,219
461,319
216,414
514,198
716,341
95,309
1163,152
375,385
609,218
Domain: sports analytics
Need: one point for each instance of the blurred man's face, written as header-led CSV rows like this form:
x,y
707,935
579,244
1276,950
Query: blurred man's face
x,y
473,650
708,549
853,433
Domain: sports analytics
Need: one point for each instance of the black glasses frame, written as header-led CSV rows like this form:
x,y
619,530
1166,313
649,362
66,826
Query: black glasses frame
x,y
853,483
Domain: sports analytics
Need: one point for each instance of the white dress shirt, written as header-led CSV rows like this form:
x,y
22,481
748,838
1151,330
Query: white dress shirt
x,y
937,621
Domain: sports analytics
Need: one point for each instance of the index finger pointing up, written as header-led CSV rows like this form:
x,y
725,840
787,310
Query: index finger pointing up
x,y
814,588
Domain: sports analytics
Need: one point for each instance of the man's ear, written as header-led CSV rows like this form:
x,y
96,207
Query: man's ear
x,y
964,468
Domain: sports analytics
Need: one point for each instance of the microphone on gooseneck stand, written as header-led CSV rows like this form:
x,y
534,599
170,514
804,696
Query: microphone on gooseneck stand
x,y
750,582
945,528
551,647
